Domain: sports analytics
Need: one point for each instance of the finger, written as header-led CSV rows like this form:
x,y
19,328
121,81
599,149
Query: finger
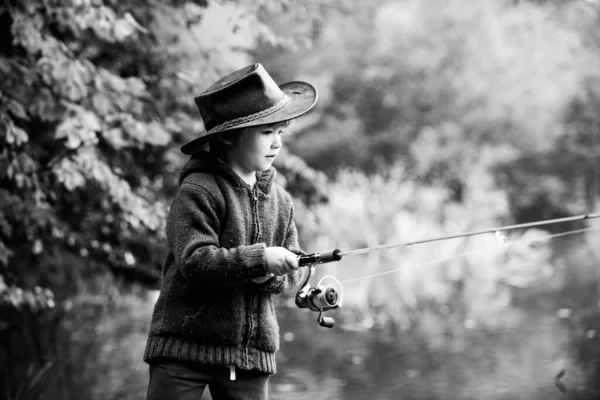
x,y
295,263
281,269
292,261
288,268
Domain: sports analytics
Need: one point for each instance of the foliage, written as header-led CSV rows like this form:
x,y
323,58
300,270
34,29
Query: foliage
x,y
510,79
81,143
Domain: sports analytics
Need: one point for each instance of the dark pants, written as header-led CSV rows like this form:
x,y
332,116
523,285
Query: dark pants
x,y
174,380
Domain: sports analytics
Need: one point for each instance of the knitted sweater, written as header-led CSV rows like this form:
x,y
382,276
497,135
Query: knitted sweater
x,y
208,310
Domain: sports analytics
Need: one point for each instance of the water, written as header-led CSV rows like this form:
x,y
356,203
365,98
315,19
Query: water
x,y
434,352
456,362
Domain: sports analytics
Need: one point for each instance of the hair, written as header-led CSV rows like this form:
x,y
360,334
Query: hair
x,y
219,144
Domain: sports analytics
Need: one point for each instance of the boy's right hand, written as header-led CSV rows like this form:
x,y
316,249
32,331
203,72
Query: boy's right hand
x,y
280,260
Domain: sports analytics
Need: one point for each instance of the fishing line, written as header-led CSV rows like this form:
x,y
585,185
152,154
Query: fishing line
x,y
418,265
594,176
321,298
472,233
507,244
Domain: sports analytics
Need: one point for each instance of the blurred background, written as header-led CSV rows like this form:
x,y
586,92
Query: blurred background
x,y
434,117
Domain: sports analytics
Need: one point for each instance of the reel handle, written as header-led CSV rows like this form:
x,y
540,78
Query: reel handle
x,y
327,322
320,258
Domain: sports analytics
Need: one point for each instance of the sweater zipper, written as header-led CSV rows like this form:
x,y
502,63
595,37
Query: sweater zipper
x,y
254,194
250,297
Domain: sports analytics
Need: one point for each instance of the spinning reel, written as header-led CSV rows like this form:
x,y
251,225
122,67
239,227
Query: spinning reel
x,y
319,298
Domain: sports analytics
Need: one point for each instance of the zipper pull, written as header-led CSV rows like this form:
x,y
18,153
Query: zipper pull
x,y
232,372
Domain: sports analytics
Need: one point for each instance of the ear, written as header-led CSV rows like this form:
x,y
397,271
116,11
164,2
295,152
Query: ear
x,y
226,138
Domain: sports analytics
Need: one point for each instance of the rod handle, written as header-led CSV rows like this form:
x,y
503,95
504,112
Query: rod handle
x,y
320,258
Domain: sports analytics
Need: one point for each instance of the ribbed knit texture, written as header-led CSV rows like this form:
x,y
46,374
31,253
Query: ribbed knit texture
x,y
218,228
185,350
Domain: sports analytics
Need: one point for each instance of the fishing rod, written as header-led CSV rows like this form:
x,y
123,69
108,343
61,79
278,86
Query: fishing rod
x,y
322,298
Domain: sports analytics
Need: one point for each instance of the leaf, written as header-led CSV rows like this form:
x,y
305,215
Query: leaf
x,y
5,65
136,87
122,29
17,109
15,135
172,125
101,20
5,227
107,80
5,254
26,34
134,23
126,26
90,120
67,76
26,163
80,128
102,104
157,135
134,129
115,138
68,174
46,106
68,129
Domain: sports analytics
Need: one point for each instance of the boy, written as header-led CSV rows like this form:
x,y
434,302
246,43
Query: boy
x,y
232,242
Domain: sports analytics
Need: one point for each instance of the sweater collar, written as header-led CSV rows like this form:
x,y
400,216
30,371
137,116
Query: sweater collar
x,y
203,161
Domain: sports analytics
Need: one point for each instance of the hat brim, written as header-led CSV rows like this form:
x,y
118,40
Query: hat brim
x,y
302,98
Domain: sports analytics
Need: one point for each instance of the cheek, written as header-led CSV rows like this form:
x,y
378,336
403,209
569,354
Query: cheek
x,y
262,142
253,141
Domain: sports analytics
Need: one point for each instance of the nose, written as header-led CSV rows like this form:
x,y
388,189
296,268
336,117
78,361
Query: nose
x,y
276,142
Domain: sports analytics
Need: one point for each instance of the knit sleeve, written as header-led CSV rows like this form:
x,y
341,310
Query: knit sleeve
x,y
279,284
193,234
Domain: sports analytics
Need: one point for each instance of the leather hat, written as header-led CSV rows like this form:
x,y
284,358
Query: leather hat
x,y
249,97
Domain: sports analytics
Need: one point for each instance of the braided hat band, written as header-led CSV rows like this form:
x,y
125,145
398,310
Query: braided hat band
x,y
249,118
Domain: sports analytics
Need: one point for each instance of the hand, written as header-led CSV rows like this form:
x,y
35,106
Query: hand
x,y
280,261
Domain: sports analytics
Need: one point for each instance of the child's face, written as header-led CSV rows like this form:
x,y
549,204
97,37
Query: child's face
x,y
258,147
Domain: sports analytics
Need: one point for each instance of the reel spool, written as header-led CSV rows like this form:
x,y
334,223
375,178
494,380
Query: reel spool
x,y
319,298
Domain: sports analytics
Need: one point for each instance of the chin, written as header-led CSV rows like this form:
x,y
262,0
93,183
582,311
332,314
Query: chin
x,y
266,166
